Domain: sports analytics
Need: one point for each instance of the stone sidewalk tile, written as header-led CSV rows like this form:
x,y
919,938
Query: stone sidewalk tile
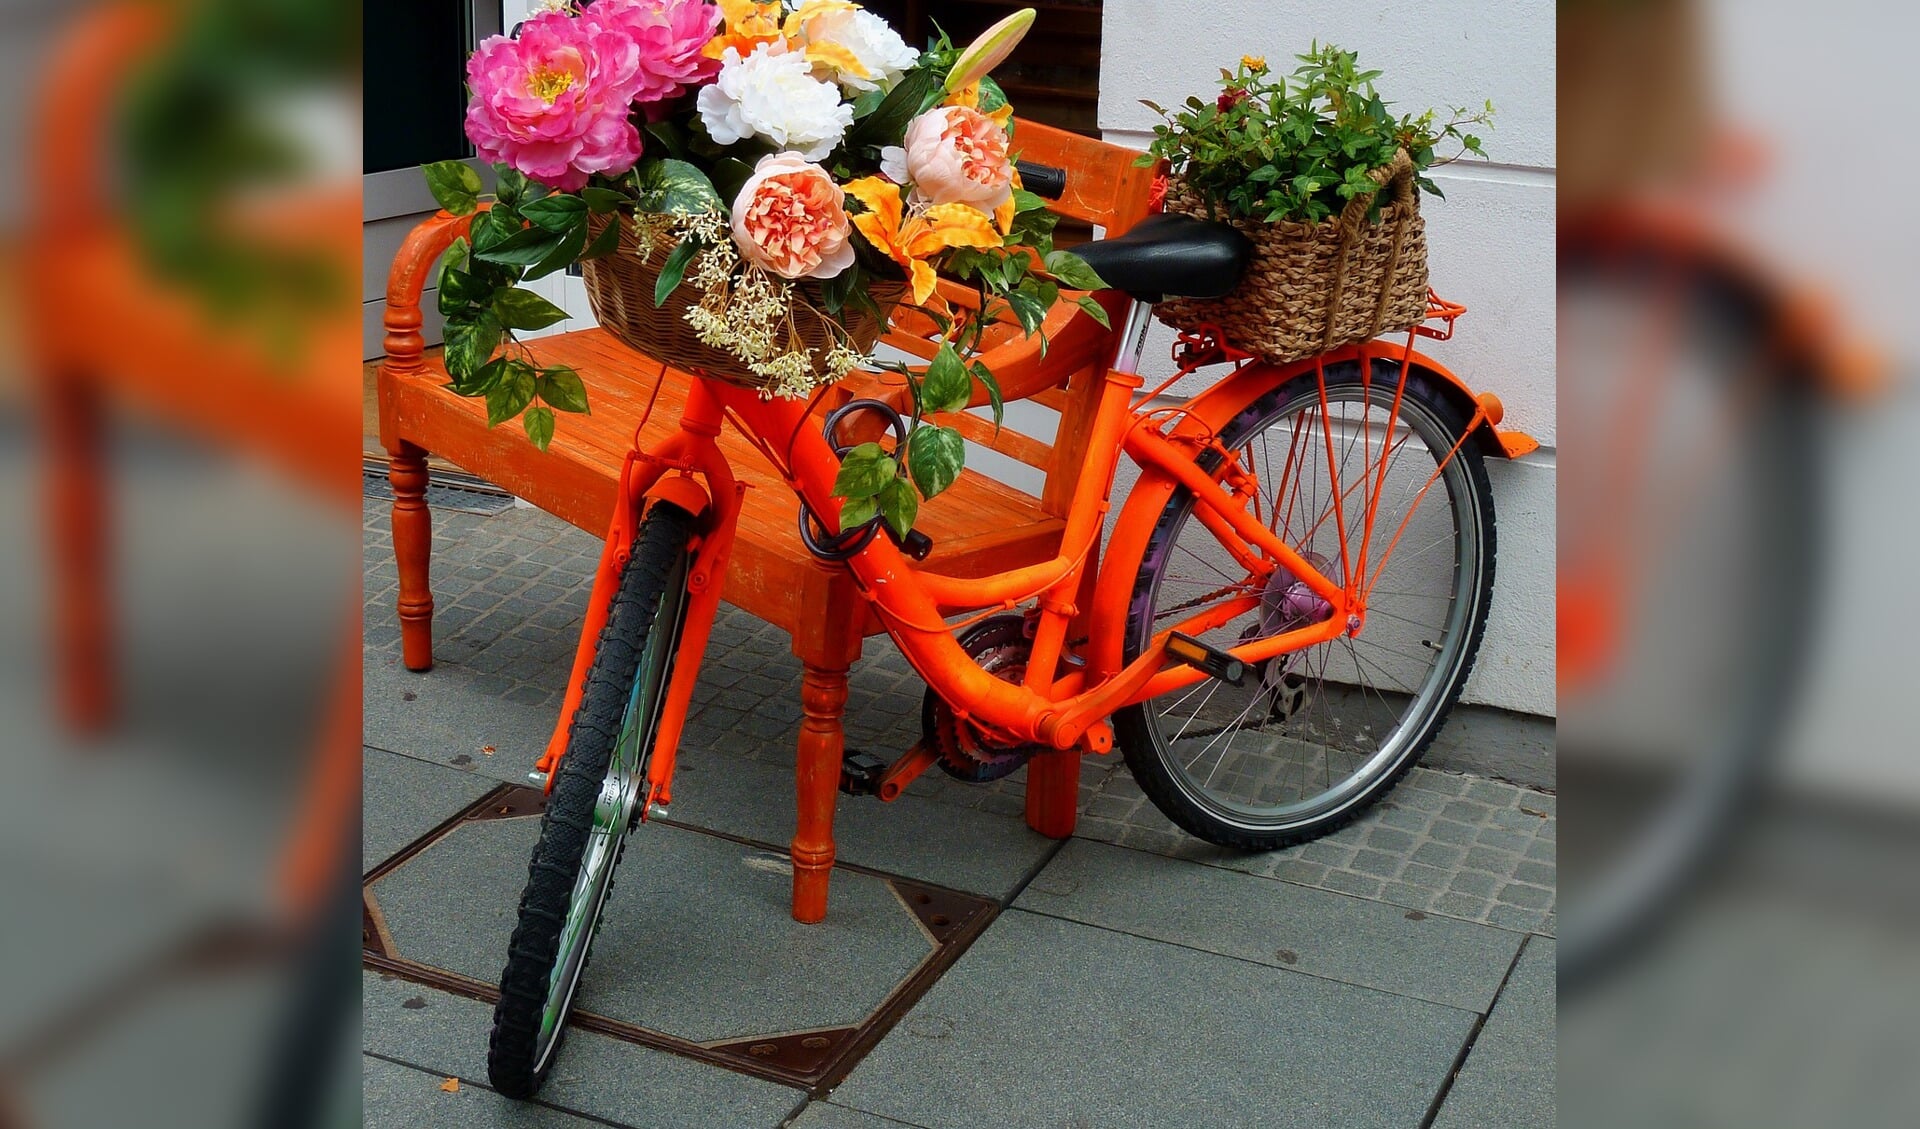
x,y
1508,1078
596,1076
826,1115
1258,919
1442,843
394,1096
402,799
1047,1022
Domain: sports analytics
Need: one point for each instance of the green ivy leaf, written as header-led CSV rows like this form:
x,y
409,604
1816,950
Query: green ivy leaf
x,y
564,254
470,343
674,269
1027,310
557,212
511,184
1095,310
858,511
889,119
1073,271
899,505
600,201
482,380
523,309
539,425
493,227
984,374
510,394
670,185
934,458
947,386
455,186
864,471
521,249
562,387
459,290
603,243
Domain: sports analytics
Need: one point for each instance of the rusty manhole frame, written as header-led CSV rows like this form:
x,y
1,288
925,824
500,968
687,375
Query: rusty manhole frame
x,y
814,1060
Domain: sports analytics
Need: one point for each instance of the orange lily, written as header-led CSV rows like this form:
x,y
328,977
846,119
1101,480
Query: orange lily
x,y
910,240
748,23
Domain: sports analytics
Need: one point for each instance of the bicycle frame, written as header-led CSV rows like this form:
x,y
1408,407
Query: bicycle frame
x,y
1054,706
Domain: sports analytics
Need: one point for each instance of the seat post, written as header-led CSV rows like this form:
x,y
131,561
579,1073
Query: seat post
x,y
1133,337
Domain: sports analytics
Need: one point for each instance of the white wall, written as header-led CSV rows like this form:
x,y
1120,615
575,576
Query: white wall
x,y
1491,240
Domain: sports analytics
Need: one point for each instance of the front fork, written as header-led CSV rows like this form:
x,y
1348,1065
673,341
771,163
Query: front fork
x,y
665,474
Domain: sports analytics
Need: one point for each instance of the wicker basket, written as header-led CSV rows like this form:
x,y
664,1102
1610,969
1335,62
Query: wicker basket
x,y
1315,287
620,289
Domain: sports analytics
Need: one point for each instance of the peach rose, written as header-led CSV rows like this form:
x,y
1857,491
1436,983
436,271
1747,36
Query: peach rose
x,y
791,218
957,155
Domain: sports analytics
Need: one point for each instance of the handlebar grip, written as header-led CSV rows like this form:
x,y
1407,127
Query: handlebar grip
x,y
915,544
1042,180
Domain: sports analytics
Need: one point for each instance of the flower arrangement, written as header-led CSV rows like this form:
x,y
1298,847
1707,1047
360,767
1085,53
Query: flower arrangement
x,y
797,166
1271,149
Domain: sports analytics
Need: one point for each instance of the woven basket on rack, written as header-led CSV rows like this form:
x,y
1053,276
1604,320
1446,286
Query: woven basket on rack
x,y
1314,287
620,290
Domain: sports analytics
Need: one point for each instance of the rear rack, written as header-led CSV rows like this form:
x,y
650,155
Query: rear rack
x,y
1439,309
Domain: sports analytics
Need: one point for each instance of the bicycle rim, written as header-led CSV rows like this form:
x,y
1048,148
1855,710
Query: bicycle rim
x,y
616,810
1314,734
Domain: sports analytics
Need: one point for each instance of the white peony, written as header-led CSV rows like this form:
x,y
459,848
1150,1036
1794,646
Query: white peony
x,y
772,94
879,50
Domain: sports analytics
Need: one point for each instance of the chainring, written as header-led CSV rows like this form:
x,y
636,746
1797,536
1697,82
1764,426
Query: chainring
x,y
966,752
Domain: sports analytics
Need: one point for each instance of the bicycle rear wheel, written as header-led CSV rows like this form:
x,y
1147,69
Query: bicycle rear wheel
x,y
1314,736
596,799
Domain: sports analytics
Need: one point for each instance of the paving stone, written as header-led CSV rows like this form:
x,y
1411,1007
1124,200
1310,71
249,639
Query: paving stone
x,y
400,1097
1377,863
826,1115
595,1075
1274,923
919,838
1473,882
1437,854
1508,1078
402,799
1389,839
697,940
1359,885
966,1054
1524,896
1460,905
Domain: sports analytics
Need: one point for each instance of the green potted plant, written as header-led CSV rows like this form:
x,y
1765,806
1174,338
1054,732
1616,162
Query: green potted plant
x,y
1325,180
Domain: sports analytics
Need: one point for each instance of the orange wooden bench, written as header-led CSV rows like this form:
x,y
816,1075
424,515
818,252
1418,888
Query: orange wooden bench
x,y
978,525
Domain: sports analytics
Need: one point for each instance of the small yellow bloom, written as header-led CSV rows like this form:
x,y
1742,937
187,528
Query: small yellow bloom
x,y
1254,62
969,96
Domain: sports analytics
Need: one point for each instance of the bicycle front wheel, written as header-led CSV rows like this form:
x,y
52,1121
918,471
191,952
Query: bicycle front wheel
x,y
596,800
1314,736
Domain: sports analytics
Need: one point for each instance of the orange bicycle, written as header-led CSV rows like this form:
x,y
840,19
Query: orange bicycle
x,y
1285,609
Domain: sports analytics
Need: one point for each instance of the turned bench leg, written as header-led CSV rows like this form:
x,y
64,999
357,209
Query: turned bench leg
x,y
1053,793
823,698
412,546
77,534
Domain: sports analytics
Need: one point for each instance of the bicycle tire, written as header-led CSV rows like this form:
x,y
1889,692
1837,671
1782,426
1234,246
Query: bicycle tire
x,y
617,704
1150,755
1622,885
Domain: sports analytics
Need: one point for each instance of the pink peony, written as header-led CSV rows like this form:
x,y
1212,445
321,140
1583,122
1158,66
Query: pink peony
x,y
553,103
670,35
791,218
957,155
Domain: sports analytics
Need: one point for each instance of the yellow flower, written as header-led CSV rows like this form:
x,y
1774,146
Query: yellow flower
x,y
1253,62
748,22
910,240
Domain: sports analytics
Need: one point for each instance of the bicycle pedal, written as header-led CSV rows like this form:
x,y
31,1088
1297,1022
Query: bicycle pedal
x,y
860,773
1219,664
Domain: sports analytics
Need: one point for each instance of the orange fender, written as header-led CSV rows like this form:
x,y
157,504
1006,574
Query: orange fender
x,y
1203,416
